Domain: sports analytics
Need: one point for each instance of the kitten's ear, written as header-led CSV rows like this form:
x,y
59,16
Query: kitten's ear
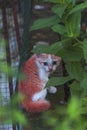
x,y
42,55
39,58
38,55
58,58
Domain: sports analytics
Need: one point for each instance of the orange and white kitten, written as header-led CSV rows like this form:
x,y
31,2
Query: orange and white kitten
x,y
37,70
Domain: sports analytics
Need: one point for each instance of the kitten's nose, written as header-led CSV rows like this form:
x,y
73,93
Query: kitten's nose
x,y
50,68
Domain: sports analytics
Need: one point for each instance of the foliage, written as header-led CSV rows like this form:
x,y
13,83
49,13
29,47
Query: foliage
x,y
70,118
72,46
9,111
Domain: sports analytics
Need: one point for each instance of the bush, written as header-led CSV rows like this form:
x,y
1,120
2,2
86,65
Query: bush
x,y
72,47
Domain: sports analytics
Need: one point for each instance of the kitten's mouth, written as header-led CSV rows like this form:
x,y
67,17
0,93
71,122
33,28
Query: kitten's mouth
x,y
50,70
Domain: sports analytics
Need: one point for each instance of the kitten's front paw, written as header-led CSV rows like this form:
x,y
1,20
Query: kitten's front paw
x,y
52,89
35,98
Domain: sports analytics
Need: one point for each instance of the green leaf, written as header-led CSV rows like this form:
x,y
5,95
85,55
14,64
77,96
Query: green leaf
x,y
15,99
56,81
75,89
73,25
56,47
62,49
85,49
18,117
61,1
75,70
78,8
72,53
56,1
52,49
59,9
84,82
72,1
74,109
84,110
41,49
59,29
45,22
5,68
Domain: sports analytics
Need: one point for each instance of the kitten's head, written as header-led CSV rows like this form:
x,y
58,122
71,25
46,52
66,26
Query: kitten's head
x,y
48,62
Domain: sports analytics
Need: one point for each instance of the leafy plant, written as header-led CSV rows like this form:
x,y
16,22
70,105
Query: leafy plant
x,y
9,111
72,46
70,118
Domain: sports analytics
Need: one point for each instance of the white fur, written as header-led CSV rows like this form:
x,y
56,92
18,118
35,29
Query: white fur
x,y
52,89
43,75
40,95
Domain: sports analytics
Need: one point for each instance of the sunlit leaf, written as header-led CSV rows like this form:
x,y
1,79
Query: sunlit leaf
x,y
73,25
18,117
10,112
74,109
16,99
5,68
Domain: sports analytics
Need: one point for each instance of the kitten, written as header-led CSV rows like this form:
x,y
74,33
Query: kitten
x,y
37,70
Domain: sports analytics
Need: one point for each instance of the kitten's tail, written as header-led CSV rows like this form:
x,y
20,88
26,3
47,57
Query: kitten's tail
x,y
37,106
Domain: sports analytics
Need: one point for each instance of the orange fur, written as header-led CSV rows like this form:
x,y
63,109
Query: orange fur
x,y
31,85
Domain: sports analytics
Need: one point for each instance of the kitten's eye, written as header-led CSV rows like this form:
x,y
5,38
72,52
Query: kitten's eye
x,y
54,62
45,63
